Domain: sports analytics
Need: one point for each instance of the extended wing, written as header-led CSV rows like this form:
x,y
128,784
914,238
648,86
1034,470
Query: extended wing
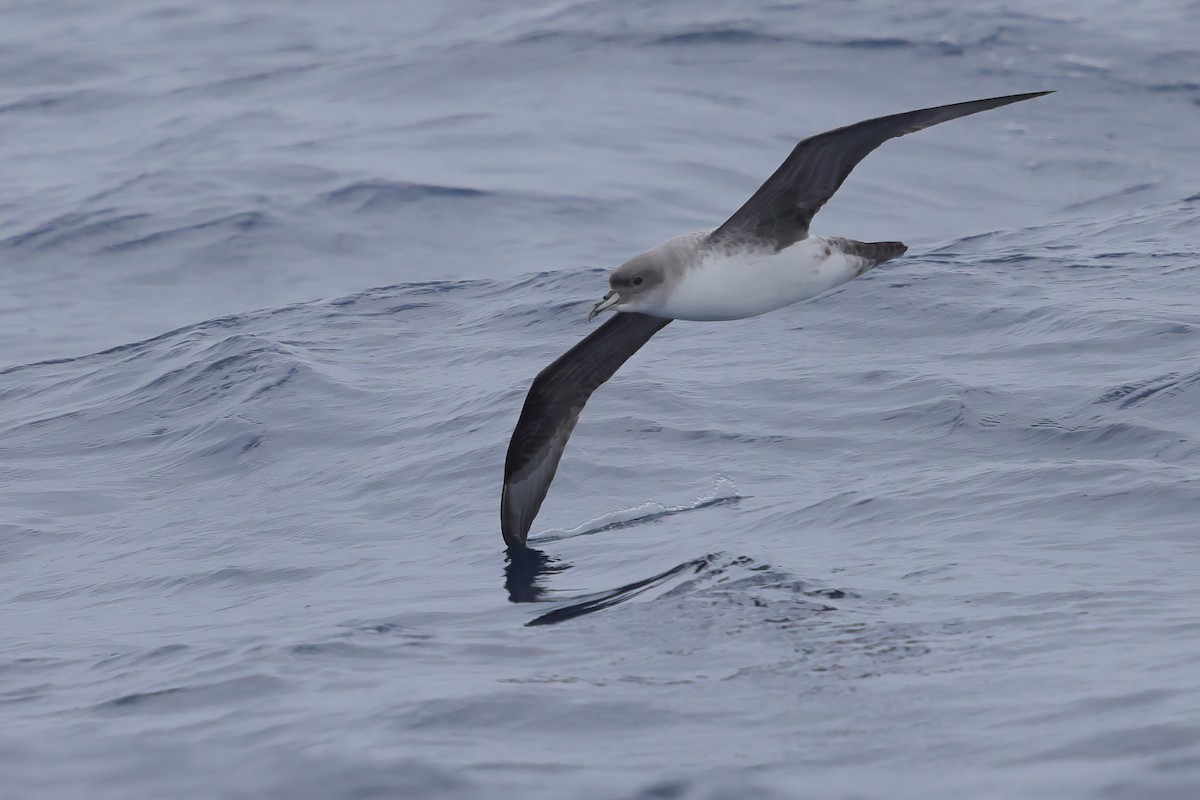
x,y
551,410
782,208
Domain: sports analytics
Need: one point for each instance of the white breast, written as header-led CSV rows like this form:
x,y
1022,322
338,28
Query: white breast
x,y
746,283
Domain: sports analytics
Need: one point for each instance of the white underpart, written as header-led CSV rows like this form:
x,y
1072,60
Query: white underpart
x,y
746,283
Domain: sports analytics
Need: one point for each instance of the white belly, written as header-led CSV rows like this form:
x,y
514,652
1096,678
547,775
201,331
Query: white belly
x,y
749,283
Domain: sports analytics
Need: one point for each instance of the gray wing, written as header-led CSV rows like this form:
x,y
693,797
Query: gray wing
x,y
551,410
782,208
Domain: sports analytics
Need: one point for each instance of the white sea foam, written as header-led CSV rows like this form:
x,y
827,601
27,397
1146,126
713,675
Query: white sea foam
x,y
723,492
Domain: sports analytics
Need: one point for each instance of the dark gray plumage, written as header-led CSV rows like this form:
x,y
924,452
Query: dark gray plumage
x,y
782,208
772,220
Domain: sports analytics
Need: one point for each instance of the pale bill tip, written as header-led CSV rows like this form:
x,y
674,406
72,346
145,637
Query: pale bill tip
x,y
610,300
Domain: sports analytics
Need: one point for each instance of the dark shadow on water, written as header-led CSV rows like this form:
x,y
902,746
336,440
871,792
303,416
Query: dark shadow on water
x,y
526,568
735,576
523,570
603,600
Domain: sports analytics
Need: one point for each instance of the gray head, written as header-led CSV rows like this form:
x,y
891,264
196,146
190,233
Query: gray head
x,y
640,281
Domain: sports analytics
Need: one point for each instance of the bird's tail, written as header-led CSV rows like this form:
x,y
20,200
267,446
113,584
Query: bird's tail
x,y
874,252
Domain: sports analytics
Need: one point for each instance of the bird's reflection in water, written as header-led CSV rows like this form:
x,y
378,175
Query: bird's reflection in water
x,y
527,566
524,569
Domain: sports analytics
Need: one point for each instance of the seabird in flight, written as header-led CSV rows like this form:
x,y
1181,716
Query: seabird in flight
x,y
760,259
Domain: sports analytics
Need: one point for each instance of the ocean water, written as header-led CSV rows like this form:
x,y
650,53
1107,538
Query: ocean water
x,y
275,277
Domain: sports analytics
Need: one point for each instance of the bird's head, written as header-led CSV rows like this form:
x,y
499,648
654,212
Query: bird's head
x,y
633,285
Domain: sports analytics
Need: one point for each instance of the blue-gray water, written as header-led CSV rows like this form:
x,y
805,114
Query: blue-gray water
x,y
933,535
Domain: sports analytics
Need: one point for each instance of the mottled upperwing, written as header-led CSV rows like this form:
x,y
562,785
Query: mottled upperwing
x,y
551,410
782,208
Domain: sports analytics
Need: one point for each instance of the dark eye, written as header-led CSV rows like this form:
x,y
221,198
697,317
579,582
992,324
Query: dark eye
x,y
637,281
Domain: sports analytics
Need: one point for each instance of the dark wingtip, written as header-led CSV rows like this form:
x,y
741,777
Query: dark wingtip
x,y
1002,100
1017,98
513,528
1007,99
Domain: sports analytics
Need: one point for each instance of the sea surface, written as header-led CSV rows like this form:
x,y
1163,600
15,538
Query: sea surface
x,y
275,277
